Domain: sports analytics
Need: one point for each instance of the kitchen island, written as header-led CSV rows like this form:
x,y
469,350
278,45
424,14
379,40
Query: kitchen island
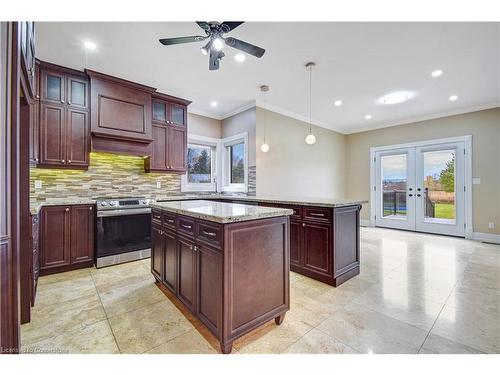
x,y
324,233
228,263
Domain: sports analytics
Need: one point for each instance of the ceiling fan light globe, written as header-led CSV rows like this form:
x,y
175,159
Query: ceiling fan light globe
x,y
311,139
218,44
204,50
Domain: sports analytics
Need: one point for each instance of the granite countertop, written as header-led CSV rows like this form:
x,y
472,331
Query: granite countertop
x,y
36,206
221,212
319,202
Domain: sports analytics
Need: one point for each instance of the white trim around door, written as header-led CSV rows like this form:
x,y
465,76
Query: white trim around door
x,y
401,148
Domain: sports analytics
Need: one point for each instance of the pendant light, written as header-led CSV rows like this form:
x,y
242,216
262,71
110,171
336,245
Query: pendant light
x,y
264,147
310,139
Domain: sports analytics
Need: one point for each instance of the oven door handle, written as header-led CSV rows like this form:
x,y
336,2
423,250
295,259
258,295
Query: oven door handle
x,y
125,212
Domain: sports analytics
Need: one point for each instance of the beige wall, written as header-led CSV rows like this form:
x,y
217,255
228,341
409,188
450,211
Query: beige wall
x,y
484,126
295,169
239,123
205,126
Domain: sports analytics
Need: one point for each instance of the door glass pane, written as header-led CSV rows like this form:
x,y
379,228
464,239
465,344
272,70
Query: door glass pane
x,y
439,186
237,164
78,93
199,164
53,87
394,180
177,115
159,111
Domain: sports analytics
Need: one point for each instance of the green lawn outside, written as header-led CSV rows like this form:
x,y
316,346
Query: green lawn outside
x,y
444,211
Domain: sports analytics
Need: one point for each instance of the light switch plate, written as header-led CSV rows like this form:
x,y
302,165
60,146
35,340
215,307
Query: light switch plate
x,y
38,184
476,180
158,184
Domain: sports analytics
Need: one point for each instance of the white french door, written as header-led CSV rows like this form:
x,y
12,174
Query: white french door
x,y
421,188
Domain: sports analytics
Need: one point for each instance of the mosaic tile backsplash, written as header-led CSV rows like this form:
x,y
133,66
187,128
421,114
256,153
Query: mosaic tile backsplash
x,y
108,175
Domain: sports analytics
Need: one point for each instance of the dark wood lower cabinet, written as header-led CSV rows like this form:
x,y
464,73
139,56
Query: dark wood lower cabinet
x,y
316,247
67,238
232,277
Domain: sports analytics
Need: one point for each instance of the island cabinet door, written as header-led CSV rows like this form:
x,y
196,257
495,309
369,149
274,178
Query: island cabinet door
x,y
296,243
209,286
170,261
157,250
187,272
317,248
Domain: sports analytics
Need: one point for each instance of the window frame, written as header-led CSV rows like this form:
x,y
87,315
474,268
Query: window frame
x,y
220,165
213,143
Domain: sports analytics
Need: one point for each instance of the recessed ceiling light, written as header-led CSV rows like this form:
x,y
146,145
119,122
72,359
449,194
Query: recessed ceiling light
x,y
239,57
437,73
90,45
396,97
452,98
337,103
213,103
368,117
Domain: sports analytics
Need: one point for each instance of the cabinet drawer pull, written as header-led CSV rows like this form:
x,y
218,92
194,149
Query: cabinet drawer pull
x,y
211,234
186,226
171,221
316,214
156,216
69,161
63,161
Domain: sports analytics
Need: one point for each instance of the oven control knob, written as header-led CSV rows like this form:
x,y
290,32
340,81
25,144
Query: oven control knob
x,y
112,203
144,202
104,203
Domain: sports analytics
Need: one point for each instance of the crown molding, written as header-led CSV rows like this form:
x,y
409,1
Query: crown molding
x,y
200,112
240,109
415,119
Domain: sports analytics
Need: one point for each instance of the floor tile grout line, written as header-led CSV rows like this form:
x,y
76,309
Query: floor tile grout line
x,y
170,339
105,313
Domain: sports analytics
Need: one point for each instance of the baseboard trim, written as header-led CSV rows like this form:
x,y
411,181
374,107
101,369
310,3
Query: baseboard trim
x,y
364,223
486,237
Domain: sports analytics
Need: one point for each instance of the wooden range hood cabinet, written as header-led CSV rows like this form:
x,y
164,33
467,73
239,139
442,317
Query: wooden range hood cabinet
x,y
120,115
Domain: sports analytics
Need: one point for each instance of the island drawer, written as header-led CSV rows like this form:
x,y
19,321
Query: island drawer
x,y
169,220
322,214
156,217
209,233
185,225
297,210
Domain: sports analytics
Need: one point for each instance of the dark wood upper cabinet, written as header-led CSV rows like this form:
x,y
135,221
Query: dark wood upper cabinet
x,y
177,148
159,111
77,137
178,114
27,43
52,134
63,111
120,109
66,237
82,234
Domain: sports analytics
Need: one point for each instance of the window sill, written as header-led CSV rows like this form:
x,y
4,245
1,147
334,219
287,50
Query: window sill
x,y
235,189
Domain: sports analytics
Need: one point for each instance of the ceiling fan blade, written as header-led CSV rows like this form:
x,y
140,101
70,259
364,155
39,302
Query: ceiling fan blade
x,y
182,39
227,26
204,25
246,47
213,61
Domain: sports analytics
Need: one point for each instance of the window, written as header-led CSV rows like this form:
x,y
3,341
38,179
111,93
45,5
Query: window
x,y
199,164
209,158
236,154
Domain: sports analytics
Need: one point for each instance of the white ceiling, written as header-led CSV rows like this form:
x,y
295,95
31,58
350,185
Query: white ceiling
x,y
356,62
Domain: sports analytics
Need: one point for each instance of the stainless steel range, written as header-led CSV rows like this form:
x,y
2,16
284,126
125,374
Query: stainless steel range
x,y
123,230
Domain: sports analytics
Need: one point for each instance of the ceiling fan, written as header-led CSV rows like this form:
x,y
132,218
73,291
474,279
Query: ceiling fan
x,y
215,34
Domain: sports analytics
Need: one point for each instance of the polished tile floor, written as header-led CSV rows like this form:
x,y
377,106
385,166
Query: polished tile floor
x,y
416,293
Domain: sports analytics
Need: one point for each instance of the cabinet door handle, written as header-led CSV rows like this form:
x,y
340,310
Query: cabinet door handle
x,y
62,101
36,159
303,224
63,161
69,102
90,208
37,96
186,226
316,214
69,161
67,209
211,234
